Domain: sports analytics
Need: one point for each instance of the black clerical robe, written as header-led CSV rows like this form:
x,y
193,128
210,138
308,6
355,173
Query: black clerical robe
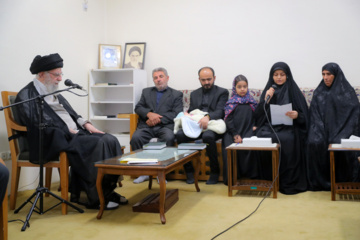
x,y
83,149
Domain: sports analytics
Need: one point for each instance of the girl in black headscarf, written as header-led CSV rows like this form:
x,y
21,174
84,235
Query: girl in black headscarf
x,y
239,124
282,89
334,115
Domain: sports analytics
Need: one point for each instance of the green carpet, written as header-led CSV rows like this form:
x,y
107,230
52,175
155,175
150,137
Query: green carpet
x,y
202,215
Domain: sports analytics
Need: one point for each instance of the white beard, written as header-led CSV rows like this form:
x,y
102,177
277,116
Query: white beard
x,y
50,87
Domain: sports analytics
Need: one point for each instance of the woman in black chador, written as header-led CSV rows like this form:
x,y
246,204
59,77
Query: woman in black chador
x,y
239,124
334,115
281,89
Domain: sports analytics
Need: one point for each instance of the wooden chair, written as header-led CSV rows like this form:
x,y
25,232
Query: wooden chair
x,y
20,155
4,215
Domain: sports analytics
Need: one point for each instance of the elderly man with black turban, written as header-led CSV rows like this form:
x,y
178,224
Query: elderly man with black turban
x,y
67,131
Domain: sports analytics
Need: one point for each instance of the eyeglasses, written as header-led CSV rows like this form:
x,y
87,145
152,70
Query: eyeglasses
x,y
56,74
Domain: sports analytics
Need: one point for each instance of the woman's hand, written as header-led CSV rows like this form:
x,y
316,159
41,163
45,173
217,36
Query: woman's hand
x,y
237,139
292,114
269,93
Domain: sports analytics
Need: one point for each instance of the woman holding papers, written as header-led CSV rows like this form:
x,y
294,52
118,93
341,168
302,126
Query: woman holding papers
x,y
239,124
334,115
281,89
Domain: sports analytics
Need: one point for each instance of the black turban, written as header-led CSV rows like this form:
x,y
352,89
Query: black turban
x,y
135,48
46,63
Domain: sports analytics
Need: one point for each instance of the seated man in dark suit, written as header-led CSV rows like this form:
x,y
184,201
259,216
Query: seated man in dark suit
x,y
211,99
157,108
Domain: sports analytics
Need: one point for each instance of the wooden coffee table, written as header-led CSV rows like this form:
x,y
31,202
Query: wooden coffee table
x,y
169,159
251,184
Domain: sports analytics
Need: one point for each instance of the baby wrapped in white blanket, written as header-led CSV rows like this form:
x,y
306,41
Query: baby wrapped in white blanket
x,y
189,123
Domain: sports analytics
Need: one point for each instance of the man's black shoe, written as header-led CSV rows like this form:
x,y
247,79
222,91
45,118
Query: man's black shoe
x,y
117,198
213,179
190,178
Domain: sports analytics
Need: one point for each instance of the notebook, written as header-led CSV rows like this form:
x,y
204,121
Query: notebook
x,y
193,146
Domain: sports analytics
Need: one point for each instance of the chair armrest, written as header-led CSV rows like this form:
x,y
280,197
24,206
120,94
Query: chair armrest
x,y
133,123
17,127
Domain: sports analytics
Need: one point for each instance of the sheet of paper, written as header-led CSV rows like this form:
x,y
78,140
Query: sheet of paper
x,y
278,114
138,160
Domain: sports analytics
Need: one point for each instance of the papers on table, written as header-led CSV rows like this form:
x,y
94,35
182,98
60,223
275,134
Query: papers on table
x,y
352,142
139,160
256,142
195,146
278,114
241,145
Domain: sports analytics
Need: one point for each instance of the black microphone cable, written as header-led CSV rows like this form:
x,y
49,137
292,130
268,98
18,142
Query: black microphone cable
x,y
272,184
79,95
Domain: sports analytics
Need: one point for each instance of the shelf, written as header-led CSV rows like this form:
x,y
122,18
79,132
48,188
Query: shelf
x,y
108,119
117,70
112,102
120,116
119,100
112,86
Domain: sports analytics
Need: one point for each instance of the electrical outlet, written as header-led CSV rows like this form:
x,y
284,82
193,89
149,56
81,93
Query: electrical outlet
x,y
5,155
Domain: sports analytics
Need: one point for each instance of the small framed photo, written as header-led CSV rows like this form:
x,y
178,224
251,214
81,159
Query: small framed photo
x,y
134,55
109,56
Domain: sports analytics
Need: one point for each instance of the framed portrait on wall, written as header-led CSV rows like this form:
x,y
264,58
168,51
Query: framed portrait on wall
x,y
109,56
134,55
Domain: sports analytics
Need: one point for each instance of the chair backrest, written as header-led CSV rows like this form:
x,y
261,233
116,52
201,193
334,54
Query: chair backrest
x,y
19,147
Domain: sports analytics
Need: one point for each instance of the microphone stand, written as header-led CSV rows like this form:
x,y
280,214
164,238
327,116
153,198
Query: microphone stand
x,y
40,190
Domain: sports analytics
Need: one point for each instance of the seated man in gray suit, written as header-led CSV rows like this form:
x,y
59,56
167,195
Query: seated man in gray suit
x,y
211,99
157,108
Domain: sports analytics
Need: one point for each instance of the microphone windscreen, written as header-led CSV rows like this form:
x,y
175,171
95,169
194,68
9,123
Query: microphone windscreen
x,y
68,83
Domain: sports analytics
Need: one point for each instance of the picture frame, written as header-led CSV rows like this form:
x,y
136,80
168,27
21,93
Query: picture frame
x,y
109,56
134,55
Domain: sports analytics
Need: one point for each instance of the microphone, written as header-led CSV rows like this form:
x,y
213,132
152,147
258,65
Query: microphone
x,y
267,98
69,83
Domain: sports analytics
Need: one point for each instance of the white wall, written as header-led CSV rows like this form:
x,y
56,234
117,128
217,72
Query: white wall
x,y
233,36
241,37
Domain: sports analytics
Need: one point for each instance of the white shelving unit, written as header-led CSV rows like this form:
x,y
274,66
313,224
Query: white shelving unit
x,y
110,100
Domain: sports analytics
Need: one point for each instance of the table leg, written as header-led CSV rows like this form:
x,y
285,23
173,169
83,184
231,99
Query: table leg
x,y
274,173
278,170
197,171
99,179
162,183
150,182
234,167
332,175
229,172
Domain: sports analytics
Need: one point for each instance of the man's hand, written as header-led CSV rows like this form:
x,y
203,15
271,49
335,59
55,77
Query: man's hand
x,y
73,131
153,119
203,123
91,128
